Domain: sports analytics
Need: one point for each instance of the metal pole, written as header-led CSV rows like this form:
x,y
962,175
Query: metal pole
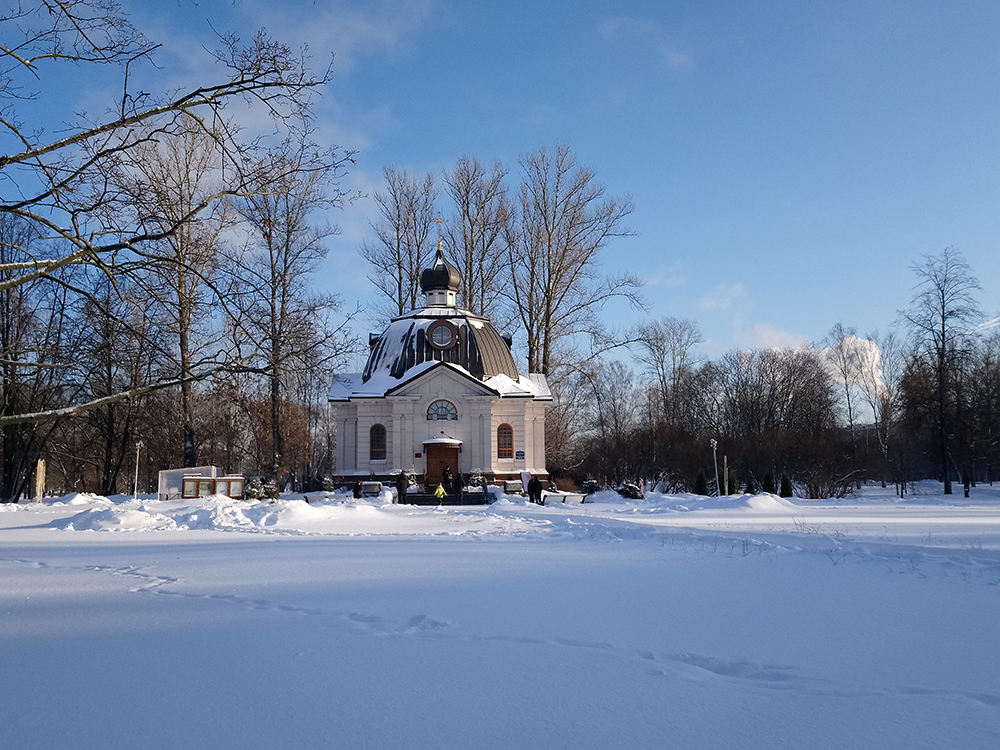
x,y
715,460
135,486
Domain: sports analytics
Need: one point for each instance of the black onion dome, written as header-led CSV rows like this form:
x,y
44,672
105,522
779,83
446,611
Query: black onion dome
x,y
441,275
468,341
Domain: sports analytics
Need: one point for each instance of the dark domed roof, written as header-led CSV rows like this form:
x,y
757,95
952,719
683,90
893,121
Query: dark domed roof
x,y
441,275
460,338
440,332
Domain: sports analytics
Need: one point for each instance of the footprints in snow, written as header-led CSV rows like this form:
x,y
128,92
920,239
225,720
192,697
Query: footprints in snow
x,y
668,664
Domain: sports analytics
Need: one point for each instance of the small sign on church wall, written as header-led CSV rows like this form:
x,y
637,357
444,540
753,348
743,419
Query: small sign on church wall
x,y
519,455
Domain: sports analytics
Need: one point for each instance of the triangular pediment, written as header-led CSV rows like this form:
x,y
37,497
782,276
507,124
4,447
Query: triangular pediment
x,y
443,377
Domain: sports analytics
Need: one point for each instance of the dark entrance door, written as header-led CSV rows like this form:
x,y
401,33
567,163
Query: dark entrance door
x,y
438,457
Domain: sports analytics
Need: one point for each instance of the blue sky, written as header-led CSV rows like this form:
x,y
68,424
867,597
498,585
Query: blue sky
x,y
788,161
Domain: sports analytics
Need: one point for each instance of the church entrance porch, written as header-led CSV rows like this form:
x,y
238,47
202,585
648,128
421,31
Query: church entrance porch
x,y
441,454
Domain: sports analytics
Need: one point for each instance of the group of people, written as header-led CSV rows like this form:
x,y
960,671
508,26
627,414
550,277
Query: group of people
x,y
448,483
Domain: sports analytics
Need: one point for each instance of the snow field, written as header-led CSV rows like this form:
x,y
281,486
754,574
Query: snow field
x,y
354,625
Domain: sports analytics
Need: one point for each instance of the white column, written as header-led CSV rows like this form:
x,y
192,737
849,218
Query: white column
x,y
354,447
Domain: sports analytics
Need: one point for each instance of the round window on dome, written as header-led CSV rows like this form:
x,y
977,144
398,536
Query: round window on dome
x,y
442,335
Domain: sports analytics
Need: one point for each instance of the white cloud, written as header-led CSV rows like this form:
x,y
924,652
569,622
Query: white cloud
x,y
724,297
766,336
863,363
649,33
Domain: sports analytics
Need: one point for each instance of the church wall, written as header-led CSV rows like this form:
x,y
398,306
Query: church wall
x,y
404,416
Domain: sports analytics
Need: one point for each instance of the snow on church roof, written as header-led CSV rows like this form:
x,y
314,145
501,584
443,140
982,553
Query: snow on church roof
x,y
349,386
464,339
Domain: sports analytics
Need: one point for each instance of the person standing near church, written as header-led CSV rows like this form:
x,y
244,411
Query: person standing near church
x,y
535,490
402,484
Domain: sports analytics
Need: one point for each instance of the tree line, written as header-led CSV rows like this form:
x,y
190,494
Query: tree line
x,y
920,401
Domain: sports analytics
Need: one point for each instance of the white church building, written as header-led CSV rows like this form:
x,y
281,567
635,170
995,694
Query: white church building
x,y
440,390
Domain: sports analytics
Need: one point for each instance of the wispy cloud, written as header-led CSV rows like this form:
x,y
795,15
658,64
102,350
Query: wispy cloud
x,y
724,297
665,277
649,33
348,29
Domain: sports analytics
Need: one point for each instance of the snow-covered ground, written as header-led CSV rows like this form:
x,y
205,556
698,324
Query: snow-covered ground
x,y
676,621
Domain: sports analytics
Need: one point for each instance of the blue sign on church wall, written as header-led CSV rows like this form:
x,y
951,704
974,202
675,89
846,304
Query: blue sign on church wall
x,y
519,454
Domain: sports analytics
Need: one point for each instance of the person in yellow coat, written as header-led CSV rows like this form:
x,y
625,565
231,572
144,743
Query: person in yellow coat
x,y
439,492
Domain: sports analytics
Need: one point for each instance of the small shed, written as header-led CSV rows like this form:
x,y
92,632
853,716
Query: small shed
x,y
199,481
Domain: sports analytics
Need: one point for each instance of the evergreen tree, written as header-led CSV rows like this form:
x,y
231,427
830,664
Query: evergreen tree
x,y
768,486
786,486
700,484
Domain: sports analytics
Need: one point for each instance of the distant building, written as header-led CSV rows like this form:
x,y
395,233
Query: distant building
x,y
440,389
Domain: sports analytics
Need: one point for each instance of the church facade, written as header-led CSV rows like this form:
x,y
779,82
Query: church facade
x,y
440,391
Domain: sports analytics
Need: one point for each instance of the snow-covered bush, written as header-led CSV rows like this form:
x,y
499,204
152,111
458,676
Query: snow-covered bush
x,y
329,485
630,490
476,478
590,486
255,489
260,489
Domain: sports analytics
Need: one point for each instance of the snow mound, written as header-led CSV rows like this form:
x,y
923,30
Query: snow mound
x,y
770,503
81,498
116,519
655,502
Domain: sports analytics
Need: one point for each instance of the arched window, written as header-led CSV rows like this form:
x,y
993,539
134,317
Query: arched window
x,y
442,410
505,441
376,448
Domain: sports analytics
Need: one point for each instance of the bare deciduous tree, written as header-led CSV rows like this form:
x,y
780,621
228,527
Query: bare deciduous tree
x,y
563,222
169,182
941,318
404,238
477,233
666,350
37,351
293,326
844,359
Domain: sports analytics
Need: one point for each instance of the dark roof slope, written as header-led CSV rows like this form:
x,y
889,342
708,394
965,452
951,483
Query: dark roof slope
x,y
478,347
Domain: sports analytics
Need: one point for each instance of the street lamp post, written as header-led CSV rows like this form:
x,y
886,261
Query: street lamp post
x,y
715,460
135,486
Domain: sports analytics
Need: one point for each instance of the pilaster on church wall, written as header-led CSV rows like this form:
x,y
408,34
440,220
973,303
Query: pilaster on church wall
x,y
403,410
478,444
536,423
346,421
